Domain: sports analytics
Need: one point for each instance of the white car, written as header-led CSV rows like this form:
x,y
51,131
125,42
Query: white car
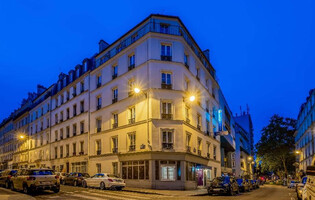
x,y
308,192
104,181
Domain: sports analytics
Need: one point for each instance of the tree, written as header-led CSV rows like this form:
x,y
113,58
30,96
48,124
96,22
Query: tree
x,y
276,146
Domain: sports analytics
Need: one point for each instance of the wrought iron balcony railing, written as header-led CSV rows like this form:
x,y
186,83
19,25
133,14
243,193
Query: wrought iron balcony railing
x,y
167,145
166,116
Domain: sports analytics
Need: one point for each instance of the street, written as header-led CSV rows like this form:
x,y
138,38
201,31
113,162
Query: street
x,y
69,192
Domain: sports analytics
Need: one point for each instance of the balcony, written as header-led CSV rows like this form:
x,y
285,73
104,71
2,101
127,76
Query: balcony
x,y
199,152
98,107
167,146
131,67
166,116
98,85
114,76
67,98
82,131
74,133
98,130
166,86
81,153
132,147
188,149
115,150
98,152
115,125
208,155
132,121
166,58
74,94
114,100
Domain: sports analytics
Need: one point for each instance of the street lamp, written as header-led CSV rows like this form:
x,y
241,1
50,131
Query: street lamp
x,y
136,90
250,158
297,152
192,98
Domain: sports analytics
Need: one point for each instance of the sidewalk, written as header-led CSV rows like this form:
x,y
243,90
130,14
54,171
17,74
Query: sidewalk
x,y
197,192
6,194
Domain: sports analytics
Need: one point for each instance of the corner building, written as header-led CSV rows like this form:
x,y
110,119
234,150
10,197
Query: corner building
x,y
164,135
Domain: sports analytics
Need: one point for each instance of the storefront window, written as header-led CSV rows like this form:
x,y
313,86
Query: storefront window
x,y
135,170
168,173
190,171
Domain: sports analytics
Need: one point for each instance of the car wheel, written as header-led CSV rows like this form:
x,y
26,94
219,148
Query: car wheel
x,y
102,186
12,186
75,183
84,184
119,188
56,190
26,189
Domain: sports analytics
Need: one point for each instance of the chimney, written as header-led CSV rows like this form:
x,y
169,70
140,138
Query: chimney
x,y
40,89
207,53
102,45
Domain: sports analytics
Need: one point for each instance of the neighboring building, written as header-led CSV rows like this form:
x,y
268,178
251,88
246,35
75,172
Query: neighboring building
x,y
304,135
244,144
166,135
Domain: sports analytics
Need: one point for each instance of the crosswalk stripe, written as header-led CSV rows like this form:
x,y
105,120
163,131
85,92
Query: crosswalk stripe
x,y
109,196
120,193
87,197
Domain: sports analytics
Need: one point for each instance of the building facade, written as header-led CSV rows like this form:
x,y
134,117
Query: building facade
x,y
148,108
305,131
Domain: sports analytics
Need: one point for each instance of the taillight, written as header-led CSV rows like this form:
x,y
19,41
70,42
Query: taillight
x,y
30,178
9,176
110,180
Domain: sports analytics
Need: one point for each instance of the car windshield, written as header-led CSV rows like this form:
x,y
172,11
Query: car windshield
x,y
304,180
12,172
239,181
41,172
222,179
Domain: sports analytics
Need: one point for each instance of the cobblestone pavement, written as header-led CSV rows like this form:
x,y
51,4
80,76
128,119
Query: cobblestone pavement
x,y
69,192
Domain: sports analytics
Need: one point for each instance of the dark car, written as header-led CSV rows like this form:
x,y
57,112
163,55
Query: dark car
x,y
242,185
223,185
75,178
256,184
5,177
251,185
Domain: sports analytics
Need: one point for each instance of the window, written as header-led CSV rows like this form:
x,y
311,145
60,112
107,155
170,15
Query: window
x,y
56,101
186,85
61,134
41,140
47,138
47,123
132,115
98,125
114,71
188,139
98,147
74,148
67,131
166,53
82,86
138,169
115,168
187,114
82,127
168,173
215,172
198,121
61,152
98,167
167,139
166,82
115,95
67,150
61,116
74,91
56,118
68,113
56,153
208,150
98,81
166,110
115,120
82,106
81,148
131,59
164,28
199,146
115,144
98,102
68,96
132,141
74,126
74,109
186,60
198,73
190,171
207,127
56,135
61,99
134,37
131,86
214,153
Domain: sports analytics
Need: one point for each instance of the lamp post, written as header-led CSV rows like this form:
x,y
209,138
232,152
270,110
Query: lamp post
x,y
297,164
23,137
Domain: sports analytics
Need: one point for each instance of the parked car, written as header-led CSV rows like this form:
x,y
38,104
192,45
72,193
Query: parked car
x,y
104,181
251,186
61,175
75,178
242,185
223,185
308,192
293,184
30,180
5,177
299,188
256,184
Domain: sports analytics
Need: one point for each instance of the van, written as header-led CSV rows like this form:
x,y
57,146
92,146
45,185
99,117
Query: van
x,y
309,188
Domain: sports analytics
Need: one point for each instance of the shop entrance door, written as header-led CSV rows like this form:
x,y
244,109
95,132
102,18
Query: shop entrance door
x,y
199,177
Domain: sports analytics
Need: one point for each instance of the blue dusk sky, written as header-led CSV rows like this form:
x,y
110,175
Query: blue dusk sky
x,y
263,51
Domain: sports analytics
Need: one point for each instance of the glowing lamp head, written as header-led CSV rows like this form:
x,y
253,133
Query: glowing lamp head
x,y
250,158
136,90
297,152
192,98
21,137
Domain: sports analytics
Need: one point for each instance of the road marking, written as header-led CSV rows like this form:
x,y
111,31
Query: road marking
x,y
119,193
87,197
109,196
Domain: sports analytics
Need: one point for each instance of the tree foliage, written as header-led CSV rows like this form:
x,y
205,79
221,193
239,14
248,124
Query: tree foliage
x,y
276,146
